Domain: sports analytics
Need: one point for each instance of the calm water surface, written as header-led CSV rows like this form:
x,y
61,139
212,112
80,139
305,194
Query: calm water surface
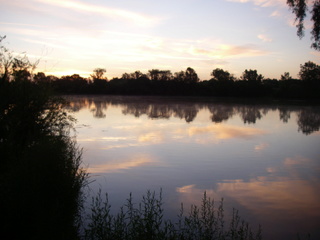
x,y
264,160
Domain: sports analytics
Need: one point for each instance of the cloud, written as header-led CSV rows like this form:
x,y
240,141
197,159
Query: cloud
x,y
114,13
27,31
230,51
186,189
262,3
264,38
191,194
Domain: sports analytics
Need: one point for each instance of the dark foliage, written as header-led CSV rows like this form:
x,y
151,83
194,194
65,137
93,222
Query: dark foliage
x,y
186,83
146,221
300,9
41,179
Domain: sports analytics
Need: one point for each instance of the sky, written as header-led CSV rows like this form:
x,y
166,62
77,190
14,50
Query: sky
x,y
76,36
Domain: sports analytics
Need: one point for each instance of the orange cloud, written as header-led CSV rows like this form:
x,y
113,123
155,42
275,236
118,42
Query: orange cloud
x,y
226,131
115,166
262,3
228,51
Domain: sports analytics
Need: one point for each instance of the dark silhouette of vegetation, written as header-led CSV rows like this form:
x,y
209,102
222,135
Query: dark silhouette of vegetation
x,y
300,9
186,83
146,221
41,179
310,72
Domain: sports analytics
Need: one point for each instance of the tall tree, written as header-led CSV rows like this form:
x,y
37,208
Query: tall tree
x,y
286,76
221,75
300,9
310,72
191,75
154,74
251,75
180,76
98,73
160,75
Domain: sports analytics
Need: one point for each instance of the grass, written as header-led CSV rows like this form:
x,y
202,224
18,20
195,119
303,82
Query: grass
x,y
145,221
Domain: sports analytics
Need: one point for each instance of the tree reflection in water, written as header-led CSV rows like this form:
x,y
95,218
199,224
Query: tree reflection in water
x,y
221,112
308,118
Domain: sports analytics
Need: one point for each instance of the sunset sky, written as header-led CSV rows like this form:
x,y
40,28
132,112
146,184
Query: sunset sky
x,y
76,36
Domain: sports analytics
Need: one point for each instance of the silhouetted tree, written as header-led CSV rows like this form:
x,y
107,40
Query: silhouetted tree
x,y
17,66
126,76
136,74
98,73
40,77
221,75
191,76
251,76
22,75
6,59
188,76
286,76
180,76
69,84
154,74
300,9
310,72
160,75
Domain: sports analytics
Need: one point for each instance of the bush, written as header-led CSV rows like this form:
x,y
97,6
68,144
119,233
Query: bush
x,y
41,181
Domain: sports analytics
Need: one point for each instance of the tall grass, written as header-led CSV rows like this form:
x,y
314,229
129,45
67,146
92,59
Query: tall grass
x,y
145,220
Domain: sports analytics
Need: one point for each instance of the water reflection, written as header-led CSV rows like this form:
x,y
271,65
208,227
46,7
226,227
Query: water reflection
x,y
221,113
225,132
163,108
309,120
116,166
263,159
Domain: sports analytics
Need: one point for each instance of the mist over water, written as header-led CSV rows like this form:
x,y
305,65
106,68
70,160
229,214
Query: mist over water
x,y
263,159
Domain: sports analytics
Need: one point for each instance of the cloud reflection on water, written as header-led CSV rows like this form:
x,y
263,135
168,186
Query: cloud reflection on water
x,y
226,131
252,155
282,194
118,165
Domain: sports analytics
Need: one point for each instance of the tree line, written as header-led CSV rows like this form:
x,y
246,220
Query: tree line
x,y
187,83
164,82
